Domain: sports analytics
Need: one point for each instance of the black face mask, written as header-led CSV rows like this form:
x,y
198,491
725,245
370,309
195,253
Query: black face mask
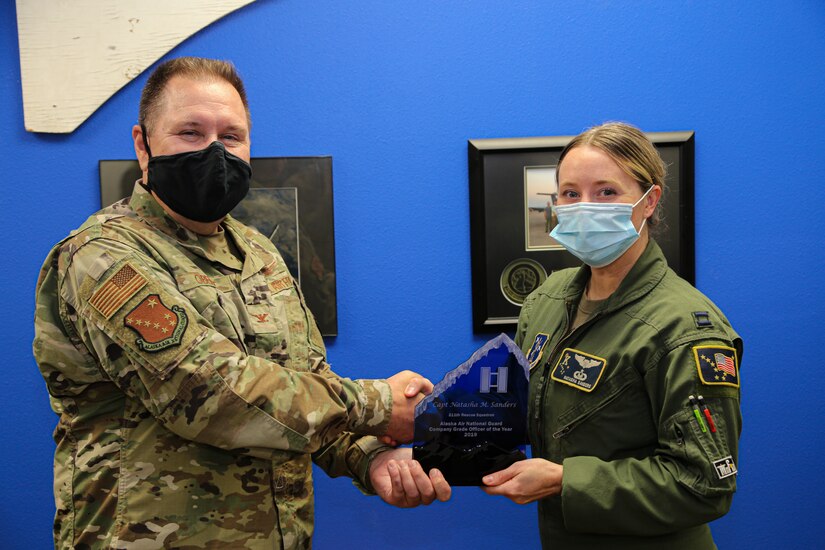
x,y
200,185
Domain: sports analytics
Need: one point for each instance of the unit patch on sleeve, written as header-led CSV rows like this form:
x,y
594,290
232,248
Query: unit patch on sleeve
x,y
717,365
578,369
158,326
117,290
536,350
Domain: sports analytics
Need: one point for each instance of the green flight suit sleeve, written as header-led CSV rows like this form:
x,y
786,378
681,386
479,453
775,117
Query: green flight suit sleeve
x,y
678,486
193,379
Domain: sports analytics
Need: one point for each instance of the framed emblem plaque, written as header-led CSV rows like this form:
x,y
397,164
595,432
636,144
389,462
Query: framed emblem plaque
x,y
513,184
289,201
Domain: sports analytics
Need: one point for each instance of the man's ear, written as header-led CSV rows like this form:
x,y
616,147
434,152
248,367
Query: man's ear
x,y
140,150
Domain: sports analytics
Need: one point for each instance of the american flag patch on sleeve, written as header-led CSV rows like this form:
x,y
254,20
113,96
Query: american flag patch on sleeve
x,y
117,290
717,365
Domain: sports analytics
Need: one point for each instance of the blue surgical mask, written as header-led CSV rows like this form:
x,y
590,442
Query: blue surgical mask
x,y
596,233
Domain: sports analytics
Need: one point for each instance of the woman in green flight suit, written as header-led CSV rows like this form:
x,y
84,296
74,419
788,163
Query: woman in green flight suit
x,y
626,452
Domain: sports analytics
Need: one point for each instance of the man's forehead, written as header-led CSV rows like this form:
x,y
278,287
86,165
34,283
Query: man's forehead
x,y
182,87
182,91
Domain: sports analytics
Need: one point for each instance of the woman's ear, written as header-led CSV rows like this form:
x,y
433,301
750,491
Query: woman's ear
x,y
652,200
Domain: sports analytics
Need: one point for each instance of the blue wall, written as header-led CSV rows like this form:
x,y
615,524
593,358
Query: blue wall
x,y
393,90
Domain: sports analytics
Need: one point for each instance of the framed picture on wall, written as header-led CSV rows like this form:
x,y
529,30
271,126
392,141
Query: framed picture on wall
x,y
290,201
513,184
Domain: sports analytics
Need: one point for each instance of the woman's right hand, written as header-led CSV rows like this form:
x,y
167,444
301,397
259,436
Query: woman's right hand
x,y
525,481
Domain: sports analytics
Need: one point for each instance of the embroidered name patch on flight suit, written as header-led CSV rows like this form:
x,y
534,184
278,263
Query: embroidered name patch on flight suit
x,y
578,369
717,365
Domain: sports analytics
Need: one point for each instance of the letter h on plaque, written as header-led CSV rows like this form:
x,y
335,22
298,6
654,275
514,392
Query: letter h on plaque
x,y
487,380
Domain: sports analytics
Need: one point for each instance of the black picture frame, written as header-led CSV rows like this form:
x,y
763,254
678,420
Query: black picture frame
x,y
508,260
290,200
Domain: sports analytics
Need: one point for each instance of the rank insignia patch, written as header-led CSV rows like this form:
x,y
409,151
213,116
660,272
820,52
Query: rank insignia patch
x,y
725,467
158,326
578,369
116,291
536,350
717,365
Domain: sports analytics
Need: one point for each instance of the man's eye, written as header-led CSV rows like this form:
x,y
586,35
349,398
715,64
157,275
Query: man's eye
x,y
230,138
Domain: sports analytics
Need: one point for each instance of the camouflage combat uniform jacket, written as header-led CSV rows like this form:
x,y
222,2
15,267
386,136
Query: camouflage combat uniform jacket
x,y
191,386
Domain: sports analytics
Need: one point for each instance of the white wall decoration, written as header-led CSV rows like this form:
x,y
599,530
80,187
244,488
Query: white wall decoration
x,y
75,54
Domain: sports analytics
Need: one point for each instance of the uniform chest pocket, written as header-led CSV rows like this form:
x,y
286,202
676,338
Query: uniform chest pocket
x,y
298,326
214,302
265,330
614,421
203,295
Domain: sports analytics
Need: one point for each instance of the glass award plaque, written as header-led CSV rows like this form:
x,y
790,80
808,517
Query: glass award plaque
x,y
475,420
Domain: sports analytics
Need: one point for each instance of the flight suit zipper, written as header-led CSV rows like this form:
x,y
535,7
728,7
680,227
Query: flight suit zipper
x,y
551,358
571,425
544,373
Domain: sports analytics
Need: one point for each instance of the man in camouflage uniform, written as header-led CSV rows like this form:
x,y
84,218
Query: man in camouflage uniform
x,y
189,376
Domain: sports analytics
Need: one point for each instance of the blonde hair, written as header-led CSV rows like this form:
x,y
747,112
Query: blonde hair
x,y
631,149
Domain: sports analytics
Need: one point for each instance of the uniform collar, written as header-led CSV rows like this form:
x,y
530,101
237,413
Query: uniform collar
x,y
150,211
642,277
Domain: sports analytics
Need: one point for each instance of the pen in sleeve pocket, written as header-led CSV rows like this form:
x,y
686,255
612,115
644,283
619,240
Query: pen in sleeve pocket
x,y
697,414
706,410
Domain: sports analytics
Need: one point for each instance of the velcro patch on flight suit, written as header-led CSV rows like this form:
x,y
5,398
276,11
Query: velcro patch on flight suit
x,y
537,349
717,365
579,369
702,319
725,467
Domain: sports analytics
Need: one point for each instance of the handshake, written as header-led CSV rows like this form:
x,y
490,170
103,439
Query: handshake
x,y
408,388
396,477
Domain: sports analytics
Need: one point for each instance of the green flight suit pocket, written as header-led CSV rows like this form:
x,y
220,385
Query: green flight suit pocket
x,y
612,422
707,467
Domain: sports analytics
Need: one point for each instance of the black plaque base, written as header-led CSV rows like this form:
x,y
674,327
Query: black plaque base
x,y
465,466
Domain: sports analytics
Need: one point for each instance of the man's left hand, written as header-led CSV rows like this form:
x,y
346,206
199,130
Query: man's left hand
x,y
399,480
